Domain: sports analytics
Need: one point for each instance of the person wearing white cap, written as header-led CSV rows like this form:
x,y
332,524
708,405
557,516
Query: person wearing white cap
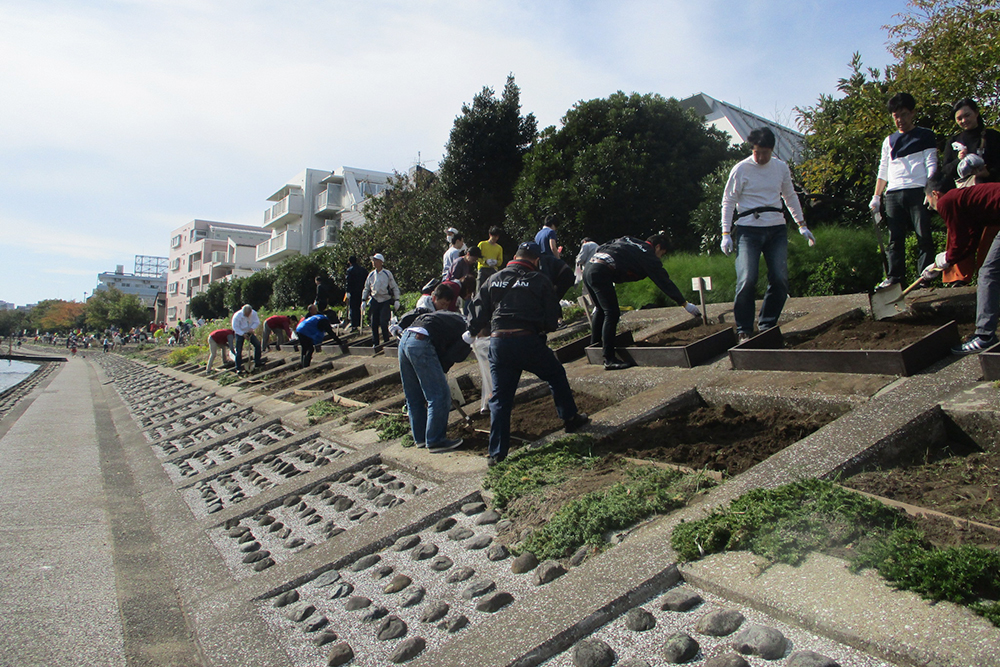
x,y
381,293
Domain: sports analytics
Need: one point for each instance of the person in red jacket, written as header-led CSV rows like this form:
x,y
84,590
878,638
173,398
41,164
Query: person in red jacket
x,y
220,339
966,213
280,326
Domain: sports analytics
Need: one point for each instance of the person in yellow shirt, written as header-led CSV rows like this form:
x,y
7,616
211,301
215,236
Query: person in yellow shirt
x,y
492,259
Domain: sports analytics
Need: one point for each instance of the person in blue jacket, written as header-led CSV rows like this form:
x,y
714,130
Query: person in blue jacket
x,y
311,331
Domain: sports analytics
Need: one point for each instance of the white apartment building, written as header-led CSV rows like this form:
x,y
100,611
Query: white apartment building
x,y
144,287
204,252
309,211
738,123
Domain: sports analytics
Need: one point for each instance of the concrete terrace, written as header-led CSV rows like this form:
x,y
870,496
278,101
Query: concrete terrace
x,y
151,516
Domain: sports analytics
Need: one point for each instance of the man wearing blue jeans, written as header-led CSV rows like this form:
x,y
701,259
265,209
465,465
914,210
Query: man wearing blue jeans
x,y
519,305
245,323
752,200
429,346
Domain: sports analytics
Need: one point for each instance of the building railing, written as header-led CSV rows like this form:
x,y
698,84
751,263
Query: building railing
x,y
277,244
324,236
290,206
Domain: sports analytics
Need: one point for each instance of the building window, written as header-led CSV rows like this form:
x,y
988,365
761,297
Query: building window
x,y
175,242
198,234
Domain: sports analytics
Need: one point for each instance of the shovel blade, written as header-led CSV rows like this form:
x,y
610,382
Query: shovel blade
x,y
887,302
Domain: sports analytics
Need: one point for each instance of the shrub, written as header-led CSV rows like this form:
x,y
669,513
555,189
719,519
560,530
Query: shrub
x,y
185,354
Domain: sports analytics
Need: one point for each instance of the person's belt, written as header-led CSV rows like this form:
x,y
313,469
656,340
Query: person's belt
x,y
755,212
511,333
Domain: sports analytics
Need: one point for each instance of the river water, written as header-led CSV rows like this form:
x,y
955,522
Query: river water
x,y
12,372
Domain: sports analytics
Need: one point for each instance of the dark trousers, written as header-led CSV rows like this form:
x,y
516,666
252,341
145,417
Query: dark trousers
x,y
905,210
508,358
305,357
601,287
380,312
354,306
239,350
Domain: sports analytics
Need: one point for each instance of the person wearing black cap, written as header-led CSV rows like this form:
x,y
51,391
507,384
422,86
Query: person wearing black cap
x,y
625,260
519,306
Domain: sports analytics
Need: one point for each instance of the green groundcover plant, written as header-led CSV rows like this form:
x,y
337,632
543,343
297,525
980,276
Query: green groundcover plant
x,y
785,524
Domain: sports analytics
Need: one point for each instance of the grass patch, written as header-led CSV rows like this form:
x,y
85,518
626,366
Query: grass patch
x,y
390,427
186,354
321,410
587,520
786,523
226,379
530,468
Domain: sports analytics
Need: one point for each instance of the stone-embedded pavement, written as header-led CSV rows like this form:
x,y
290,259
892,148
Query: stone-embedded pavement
x,y
135,519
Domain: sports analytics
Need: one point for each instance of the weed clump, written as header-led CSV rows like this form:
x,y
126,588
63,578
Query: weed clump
x,y
390,427
321,410
531,468
587,520
786,523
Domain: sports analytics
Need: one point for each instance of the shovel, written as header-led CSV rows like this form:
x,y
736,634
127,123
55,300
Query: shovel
x,y
890,301
457,399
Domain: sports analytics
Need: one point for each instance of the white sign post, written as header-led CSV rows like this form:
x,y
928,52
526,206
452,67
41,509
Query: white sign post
x,y
702,285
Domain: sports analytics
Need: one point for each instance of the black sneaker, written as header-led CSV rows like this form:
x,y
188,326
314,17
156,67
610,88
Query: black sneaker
x,y
575,422
974,345
616,365
445,446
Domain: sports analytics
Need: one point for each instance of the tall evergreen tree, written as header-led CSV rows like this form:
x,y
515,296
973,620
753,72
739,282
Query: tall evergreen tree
x,y
483,159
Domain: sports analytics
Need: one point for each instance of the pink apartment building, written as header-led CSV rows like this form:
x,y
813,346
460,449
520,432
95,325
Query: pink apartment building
x,y
203,252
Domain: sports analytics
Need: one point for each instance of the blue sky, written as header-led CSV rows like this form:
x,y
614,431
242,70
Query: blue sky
x,y
120,121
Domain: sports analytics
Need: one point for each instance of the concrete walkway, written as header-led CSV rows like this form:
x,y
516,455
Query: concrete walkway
x,y
80,577
57,579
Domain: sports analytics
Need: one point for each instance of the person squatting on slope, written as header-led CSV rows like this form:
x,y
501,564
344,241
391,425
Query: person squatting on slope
x,y
519,306
625,260
752,200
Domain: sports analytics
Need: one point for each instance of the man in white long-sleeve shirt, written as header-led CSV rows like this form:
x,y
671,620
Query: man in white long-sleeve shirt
x,y
909,159
381,293
245,322
752,199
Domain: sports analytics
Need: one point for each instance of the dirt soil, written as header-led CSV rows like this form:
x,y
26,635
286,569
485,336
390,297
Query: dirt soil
x,y
377,393
281,385
866,334
529,421
964,485
679,337
717,437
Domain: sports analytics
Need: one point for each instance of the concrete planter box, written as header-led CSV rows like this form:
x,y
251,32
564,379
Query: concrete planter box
x,y
684,356
765,352
989,361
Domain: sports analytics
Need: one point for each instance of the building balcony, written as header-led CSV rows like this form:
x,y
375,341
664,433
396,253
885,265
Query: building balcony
x,y
325,236
276,248
328,203
220,258
287,210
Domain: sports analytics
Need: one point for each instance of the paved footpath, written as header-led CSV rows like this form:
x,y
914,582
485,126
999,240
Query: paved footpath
x,y
74,535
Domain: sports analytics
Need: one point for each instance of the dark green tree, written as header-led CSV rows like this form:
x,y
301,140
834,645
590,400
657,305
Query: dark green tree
x,y
483,159
628,164
112,307
257,288
945,50
210,304
295,281
12,322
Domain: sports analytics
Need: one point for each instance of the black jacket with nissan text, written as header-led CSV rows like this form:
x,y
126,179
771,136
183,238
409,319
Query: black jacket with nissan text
x,y
631,259
518,297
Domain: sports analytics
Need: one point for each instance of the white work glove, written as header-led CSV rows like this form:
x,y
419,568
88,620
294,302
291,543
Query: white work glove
x,y
808,235
875,203
467,338
692,309
931,272
941,261
491,262
395,330
395,305
727,243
